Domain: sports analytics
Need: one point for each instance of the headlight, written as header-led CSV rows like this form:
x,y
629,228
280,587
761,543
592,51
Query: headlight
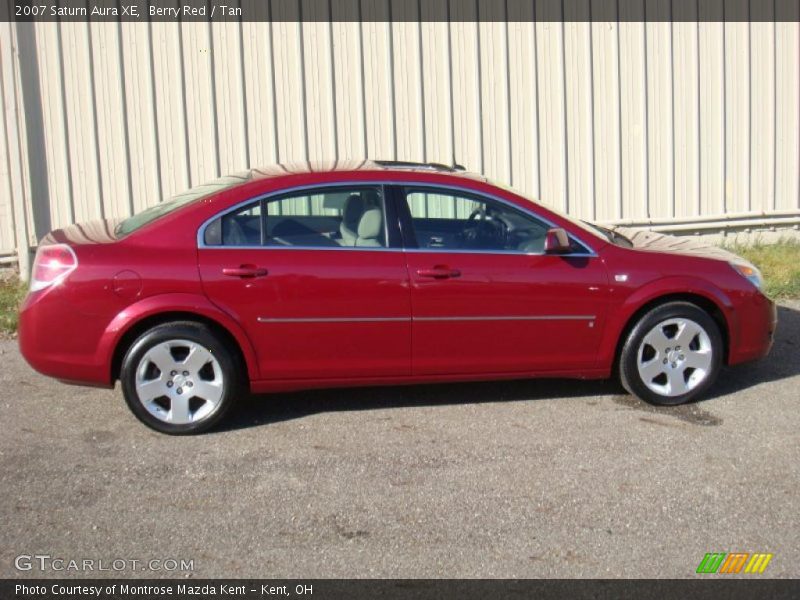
x,y
750,272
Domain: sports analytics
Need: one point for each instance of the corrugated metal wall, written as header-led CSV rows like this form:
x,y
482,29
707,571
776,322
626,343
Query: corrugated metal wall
x,y
610,121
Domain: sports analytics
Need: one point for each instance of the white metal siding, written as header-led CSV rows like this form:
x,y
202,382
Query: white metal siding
x,y
614,121
7,240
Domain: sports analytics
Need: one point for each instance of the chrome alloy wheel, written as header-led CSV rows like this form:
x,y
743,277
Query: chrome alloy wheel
x,y
674,357
179,382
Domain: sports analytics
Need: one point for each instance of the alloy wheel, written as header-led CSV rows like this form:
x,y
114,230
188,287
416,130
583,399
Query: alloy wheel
x,y
179,382
675,357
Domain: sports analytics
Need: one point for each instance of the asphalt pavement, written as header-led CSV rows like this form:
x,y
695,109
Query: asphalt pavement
x,y
510,479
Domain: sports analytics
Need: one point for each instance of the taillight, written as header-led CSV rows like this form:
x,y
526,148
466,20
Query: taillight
x,y
53,263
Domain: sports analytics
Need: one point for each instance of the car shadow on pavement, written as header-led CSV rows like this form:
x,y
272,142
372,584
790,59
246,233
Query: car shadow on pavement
x,y
263,409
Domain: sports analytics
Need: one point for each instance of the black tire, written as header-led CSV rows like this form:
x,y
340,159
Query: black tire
x,y
629,374
226,358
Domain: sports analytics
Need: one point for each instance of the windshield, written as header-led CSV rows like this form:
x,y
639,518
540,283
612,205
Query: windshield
x,y
165,207
591,228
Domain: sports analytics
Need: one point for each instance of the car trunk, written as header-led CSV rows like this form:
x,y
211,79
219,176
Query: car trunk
x,y
99,231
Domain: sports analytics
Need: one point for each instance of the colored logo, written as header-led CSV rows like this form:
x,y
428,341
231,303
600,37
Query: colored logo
x,y
734,562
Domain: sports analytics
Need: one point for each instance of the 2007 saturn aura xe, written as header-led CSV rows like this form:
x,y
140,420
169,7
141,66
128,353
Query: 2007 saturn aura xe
x,y
375,273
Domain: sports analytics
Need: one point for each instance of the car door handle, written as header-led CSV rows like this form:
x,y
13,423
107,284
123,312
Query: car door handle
x,y
439,272
245,271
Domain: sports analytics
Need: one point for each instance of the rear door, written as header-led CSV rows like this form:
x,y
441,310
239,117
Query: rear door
x,y
485,297
316,279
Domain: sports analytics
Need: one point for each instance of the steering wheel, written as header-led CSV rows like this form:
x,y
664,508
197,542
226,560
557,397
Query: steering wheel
x,y
485,230
478,212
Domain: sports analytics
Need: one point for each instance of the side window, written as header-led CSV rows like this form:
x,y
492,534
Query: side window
x,y
462,222
239,228
349,217
338,217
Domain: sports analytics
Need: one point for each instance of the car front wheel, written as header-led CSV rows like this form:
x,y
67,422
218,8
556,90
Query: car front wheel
x,y
179,378
672,355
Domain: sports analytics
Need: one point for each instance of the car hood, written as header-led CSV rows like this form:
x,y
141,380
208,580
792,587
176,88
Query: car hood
x,y
643,239
91,232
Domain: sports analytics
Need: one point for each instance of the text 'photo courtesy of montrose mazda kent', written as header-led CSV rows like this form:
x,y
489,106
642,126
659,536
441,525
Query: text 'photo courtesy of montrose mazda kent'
x,y
376,273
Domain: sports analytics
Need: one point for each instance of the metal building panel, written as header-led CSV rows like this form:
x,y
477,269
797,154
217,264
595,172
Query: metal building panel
x,y
171,118
80,111
55,162
7,231
202,124
467,108
580,116
607,202
437,80
231,110
348,74
762,116
15,198
496,122
137,76
18,73
737,117
319,83
379,95
110,109
633,119
259,91
523,97
687,114
290,106
711,61
787,117
552,115
407,81
660,149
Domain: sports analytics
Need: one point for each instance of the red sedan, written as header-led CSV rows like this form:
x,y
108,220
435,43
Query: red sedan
x,y
376,273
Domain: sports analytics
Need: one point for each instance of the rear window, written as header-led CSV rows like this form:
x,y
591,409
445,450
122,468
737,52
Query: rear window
x,y
169,205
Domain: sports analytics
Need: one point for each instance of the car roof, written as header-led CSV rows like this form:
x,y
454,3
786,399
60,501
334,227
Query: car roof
x,y
388,166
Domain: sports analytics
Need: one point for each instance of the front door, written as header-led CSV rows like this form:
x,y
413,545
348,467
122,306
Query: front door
x,y
314,281
485,297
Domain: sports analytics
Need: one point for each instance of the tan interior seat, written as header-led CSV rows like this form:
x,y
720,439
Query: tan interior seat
x,y
370,228
354,208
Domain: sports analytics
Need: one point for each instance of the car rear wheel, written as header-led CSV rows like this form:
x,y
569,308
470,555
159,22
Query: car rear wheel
x,y
672,355
179,378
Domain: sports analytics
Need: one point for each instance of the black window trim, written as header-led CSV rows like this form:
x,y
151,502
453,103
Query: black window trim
x,y
405,225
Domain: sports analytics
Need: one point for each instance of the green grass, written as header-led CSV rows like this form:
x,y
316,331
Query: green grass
x,y
779,264
12,291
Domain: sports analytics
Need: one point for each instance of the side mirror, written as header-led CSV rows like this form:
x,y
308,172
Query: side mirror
x,y
556,241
